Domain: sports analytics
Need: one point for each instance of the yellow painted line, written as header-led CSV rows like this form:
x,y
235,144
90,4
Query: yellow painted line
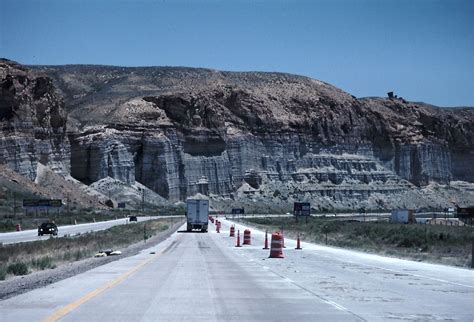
x,y
74,305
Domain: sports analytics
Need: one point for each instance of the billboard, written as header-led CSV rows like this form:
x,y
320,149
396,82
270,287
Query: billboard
x,y
238,211
42,203
121,205
302,209
467,212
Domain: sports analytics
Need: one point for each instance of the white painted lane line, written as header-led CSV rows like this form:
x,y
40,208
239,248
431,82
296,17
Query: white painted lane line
x,y
375,266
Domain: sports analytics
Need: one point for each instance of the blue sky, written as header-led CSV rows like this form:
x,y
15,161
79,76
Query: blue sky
x,y
423,50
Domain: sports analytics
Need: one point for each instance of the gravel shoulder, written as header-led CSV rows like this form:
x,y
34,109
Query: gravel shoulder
x,y
22,284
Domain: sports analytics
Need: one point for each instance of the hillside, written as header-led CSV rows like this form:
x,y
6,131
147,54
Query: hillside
x,y
180,131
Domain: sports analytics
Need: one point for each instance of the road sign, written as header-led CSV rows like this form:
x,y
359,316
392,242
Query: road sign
x,y
467,212
42,203
301,209
238,211
121,205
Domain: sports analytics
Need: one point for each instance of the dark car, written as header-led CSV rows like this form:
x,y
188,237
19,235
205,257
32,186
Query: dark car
x,y
132,218
48,228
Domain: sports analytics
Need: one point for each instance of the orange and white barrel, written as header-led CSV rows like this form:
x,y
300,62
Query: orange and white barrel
x,y
276,248
247,238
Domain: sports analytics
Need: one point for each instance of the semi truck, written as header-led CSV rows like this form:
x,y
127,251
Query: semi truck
x,y
197,214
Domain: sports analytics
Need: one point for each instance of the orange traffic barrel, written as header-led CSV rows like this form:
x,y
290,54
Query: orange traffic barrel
x,y
232,231
18,227
276,250
247,238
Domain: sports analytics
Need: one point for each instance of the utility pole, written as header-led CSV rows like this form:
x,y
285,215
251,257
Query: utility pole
x,y
67,200
144,233
143,200
472,250
14,204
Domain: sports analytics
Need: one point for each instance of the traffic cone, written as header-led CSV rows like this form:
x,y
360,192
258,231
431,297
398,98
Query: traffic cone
x,y
282,239
238,239
298,245
266,240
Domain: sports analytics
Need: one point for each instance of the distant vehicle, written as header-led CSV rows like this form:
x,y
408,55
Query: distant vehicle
x,y
132,218
197,214
47,228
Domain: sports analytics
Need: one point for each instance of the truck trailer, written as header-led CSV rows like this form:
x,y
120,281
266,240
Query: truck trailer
x,y
197,214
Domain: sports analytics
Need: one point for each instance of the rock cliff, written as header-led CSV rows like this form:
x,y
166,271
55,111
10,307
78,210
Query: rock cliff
x,y
181,131
32,121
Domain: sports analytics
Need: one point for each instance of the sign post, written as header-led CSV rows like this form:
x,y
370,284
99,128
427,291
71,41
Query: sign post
x,y
36,204
302,209
238,212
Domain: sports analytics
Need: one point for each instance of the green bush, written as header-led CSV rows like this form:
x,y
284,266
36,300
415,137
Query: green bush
x,y
3,273
18,268
43,263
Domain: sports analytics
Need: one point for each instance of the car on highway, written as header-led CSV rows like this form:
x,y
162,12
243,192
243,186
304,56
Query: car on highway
x,y
132,218
48,228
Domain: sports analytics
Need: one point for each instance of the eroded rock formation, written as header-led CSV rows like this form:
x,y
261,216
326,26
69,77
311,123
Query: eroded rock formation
x,y
32,121
182,131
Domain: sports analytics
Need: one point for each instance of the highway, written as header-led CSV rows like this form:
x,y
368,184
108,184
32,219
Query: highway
x,y
203,277
32,234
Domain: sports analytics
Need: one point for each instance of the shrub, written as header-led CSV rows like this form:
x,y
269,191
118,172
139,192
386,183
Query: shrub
x,y
18,268
3,273
43,263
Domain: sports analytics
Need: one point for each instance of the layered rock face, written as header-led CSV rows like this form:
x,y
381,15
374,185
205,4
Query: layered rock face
x,y
180,131
32,121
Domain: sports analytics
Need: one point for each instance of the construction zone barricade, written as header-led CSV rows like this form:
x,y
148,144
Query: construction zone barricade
x,y
238,239
298,243
282,239
276,250
265,245
232,231
247,237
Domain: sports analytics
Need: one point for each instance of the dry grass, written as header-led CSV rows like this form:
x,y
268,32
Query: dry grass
x,y
39,255
449,245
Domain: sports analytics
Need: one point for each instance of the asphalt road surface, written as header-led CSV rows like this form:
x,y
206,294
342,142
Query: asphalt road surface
x,y
32,234
203,277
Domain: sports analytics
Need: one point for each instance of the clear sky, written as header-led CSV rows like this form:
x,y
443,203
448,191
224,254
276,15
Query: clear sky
x,y
421,49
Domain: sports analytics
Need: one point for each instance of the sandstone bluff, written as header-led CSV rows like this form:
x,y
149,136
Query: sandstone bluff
x,y
262,140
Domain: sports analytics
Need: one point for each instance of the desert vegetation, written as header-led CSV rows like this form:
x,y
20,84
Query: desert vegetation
x,y
449,245
24,258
